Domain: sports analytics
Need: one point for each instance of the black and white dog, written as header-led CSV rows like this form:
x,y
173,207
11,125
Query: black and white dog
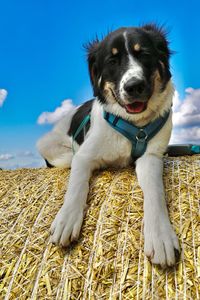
x,y
129,71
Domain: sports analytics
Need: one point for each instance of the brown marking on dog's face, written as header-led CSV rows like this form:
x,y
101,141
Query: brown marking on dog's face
x,y
157,82
114,51
109,88
137,47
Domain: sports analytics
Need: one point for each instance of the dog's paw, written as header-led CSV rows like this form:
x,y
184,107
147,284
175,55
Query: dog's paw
x,y
161,244
66,226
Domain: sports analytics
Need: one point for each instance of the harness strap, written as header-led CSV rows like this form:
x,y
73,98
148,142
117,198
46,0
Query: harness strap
x,y
138,136
81,126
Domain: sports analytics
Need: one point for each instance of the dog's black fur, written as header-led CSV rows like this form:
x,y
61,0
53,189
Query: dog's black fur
x,y
78,117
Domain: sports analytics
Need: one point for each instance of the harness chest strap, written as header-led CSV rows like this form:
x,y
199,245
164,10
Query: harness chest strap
x,y
138,136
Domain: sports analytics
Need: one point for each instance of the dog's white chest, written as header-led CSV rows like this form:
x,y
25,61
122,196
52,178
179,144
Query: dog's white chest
x,y
113,148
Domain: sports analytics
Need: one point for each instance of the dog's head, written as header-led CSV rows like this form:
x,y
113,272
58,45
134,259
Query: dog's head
x,y
129,66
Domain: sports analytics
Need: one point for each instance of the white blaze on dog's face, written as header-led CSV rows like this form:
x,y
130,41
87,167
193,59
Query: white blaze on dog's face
x,y
133,75
129,66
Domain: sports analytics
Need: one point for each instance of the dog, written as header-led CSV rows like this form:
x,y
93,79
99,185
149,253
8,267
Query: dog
x,y
130,75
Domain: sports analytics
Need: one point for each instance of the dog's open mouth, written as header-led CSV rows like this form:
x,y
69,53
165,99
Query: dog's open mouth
x,y
133,108
136,107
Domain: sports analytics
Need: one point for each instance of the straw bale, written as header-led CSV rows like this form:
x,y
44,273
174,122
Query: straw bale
x,y
108,261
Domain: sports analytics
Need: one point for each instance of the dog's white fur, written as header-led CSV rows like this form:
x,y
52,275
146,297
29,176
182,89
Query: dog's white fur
x,y
134,71
103,147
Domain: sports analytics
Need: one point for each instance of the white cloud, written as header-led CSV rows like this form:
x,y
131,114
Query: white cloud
x,y
3,95
26,153
6,156
57,114
23,159
186,117
176,101
186,135
187,112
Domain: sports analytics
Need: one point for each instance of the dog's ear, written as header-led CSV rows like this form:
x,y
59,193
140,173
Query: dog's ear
x,y
159,37
92,49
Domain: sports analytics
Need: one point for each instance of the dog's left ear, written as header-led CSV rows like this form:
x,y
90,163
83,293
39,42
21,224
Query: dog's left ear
x,y
92,49
161,44
159,37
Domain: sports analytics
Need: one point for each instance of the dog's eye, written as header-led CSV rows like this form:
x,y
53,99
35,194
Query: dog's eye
x,y
143,53
112,61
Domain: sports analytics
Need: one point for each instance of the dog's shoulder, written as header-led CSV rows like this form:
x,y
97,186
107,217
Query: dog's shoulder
x,y
82,111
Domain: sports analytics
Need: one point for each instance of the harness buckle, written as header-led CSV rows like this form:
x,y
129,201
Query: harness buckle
x,y
141,136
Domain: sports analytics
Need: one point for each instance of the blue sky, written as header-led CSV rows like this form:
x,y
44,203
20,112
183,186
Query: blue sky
x,y
42,61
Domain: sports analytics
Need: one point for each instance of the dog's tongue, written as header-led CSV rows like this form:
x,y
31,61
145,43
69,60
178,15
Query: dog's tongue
x,y
135,107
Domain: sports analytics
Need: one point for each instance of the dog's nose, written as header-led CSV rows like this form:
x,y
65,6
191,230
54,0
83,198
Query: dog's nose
x,y
134,87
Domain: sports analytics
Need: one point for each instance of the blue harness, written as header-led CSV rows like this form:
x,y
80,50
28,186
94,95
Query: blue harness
x,y
138,136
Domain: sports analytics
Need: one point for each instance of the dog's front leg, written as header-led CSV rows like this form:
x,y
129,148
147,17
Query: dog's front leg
x,y
161,243
67,224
